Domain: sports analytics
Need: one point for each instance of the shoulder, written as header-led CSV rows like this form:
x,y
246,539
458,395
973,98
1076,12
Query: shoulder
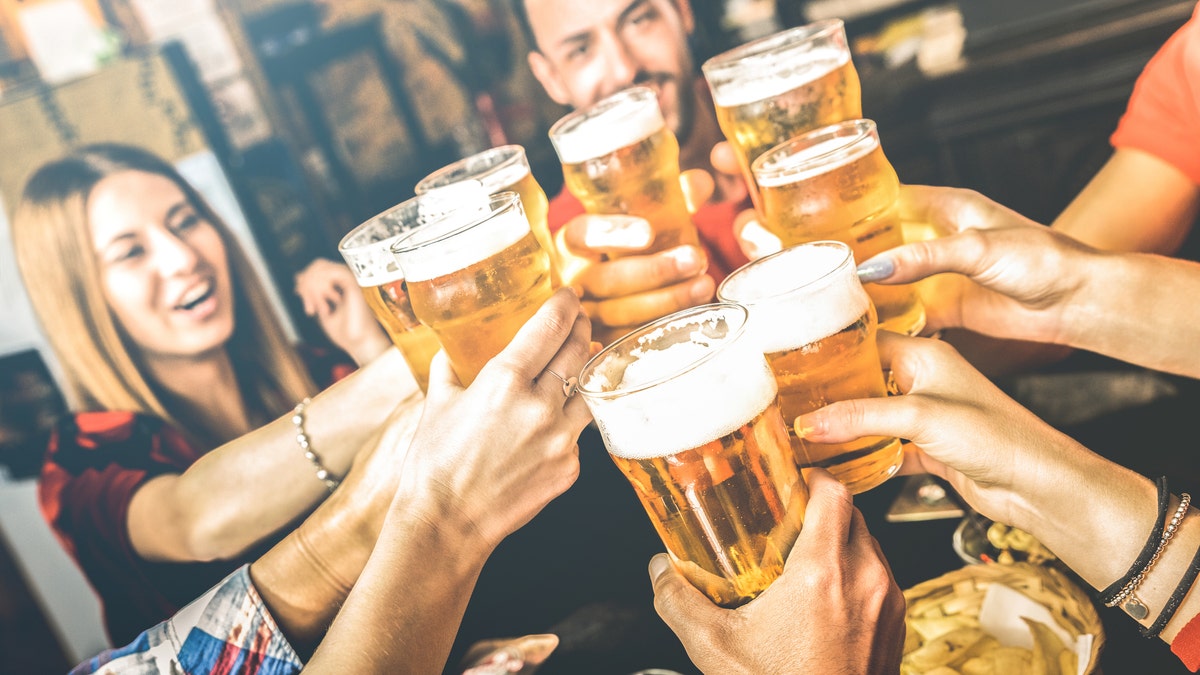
x,y
93,439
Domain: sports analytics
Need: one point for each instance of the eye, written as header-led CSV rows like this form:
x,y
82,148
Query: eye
x,y
131,252
186,223
643,16
578,52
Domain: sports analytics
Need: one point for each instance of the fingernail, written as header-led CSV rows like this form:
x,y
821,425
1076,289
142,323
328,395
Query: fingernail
x,y
762,241
659,565
877,268
685,258
802,430
616,231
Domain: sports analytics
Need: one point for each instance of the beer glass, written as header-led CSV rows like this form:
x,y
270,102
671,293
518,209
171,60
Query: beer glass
x,y
367,250
687,409
475,277
835,183
816,325
502,169
619,157
771,89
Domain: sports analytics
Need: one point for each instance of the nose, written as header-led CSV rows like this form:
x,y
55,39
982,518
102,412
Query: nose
x,y
173,255
621,66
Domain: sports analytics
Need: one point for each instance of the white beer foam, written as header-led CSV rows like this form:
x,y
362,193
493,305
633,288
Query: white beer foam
x,y
760,80
784,170
373,264
624,123
826,298
689,410
504,178
465,249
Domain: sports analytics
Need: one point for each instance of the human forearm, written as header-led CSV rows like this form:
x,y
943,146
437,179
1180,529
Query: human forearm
x,y
1136,307
401,616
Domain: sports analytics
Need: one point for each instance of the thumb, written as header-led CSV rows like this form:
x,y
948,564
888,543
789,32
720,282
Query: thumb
x,y
442,379
684,609
698,187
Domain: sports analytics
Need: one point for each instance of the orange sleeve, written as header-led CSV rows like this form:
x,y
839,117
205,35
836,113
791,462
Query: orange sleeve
x,y
1163,115
1187,644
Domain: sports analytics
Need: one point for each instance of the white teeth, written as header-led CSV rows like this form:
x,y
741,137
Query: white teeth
x,y
195,294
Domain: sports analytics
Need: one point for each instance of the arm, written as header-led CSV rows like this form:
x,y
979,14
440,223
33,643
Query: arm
x,y
330,293
247,489
1137,202
1017,280
1014,468
485,460
835,608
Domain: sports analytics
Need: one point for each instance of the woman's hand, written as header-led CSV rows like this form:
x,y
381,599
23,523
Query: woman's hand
x,y
1013,278
495,453
835,608
330,293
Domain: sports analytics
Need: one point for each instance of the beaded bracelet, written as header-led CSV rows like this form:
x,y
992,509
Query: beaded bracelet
x,y
1130,603
302,440
1181,591
1164,497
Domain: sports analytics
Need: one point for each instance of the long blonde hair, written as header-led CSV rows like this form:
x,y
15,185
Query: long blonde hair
x,y
102,365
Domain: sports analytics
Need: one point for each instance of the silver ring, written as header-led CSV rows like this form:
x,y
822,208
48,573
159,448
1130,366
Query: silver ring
x,y
570,384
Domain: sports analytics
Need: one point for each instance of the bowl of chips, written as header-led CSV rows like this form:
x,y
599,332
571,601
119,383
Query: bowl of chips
x,y
1037,621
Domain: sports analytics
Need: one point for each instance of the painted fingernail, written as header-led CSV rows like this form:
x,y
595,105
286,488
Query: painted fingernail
x,y
878,268
617,231
659,566
685,257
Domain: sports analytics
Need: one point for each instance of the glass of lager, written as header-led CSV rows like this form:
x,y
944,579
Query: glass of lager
x,y
502,169
475,277
771,89
619,157
367,249
688,410
835,183
816,325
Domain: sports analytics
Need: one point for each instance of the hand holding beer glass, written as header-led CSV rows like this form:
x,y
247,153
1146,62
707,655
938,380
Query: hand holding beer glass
x,y
688,410
816,325
780,86
835,183
475,277
501,169
619,157
367,250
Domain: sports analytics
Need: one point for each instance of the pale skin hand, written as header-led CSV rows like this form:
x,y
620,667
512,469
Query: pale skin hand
x,y
485,460
1015,279
835,608
330,293
1012,467
626,292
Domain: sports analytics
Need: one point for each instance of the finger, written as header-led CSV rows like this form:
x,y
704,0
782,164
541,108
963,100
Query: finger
x,y
724,159
826,518
688,613
639,273
639,308
698,187
845,421
755,240
442,379
541,337
967,253
568,361
591,236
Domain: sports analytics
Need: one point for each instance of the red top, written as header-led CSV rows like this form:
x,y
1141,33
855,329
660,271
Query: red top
x,y
1163,116
714,225
94,464
1187,644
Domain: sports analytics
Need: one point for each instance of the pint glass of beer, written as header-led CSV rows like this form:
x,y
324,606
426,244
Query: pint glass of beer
x,y
501,169
367,249
619,157
475,277
835,183
783,85
687,408
816,325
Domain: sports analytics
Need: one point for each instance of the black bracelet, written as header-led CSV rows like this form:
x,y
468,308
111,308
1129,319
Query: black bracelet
x,y
1181,591
1164,498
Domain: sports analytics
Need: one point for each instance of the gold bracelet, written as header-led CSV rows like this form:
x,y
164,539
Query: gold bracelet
x,y
323,474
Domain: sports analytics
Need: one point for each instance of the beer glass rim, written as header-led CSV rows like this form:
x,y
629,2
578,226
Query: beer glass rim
x,y
781,160
494,160
764,51
739,311
786,289
498,203
571,121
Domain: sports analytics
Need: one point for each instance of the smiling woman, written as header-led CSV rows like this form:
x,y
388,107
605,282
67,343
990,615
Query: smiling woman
x,y
180,460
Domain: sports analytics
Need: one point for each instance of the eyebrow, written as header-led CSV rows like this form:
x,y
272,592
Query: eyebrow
x,y
585,34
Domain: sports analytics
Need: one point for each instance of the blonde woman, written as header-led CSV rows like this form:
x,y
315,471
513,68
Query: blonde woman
x,y
190,449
